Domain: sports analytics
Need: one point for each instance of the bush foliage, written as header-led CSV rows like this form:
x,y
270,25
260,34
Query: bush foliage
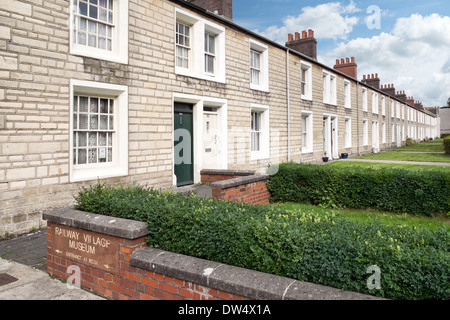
x,y
446,142
323,249
396,190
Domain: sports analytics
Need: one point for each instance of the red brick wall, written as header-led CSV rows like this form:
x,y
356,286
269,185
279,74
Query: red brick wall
x,y
210,178
253,193
130,283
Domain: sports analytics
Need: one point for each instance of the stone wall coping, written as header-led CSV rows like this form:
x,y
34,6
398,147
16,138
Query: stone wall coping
x,y
244,282
119,227
224,184
225,172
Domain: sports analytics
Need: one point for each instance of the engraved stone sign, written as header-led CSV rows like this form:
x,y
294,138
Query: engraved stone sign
x,y
87,247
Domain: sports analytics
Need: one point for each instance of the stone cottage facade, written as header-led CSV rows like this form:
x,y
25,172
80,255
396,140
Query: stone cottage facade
x,y
153,91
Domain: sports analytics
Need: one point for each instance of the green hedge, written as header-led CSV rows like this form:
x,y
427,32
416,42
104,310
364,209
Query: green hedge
x,y
396,190
446,142
323,249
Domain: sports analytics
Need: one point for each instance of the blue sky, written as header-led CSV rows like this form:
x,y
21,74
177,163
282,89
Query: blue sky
x,y
410,48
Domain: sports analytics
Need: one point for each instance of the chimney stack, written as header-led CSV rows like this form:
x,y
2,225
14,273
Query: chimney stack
x,y
224,8
401,96
305,44
388,89
372,80
347,66
410,101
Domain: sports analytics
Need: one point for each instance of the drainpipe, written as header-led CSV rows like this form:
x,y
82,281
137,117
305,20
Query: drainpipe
x,y
288,108
357,117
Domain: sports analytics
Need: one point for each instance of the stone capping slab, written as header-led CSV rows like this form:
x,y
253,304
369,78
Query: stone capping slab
x,y
244,282
224,172
230,183
118,227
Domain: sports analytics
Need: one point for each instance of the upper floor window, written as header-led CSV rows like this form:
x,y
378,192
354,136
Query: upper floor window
x,y
329,88
259,66
100,29
364,98
210,53
200,47
347,94
374,102
255,67
306,80
182,45
383,105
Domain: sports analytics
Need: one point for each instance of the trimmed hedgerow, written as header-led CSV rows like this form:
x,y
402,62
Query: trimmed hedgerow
x,y
396,190
446,143
323,249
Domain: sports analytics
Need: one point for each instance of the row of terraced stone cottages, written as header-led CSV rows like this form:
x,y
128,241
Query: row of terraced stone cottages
x,y
153,91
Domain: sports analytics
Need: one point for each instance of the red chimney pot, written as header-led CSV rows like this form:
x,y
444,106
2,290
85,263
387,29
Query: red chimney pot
x,y
304,34
311,33
290,37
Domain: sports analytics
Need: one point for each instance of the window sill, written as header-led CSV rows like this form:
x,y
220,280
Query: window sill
x,y
259,88
259,155
85,51
187,73
97,173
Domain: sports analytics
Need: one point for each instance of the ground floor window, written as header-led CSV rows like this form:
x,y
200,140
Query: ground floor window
x,y
99,130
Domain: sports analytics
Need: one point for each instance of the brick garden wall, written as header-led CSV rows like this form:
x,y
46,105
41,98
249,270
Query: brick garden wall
x,y
250,189
142,273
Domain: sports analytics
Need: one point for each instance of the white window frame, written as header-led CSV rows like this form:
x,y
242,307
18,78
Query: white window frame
x,y
365,132
348,132
383,105
307,145
119,166
329,88
383,132
393,132
263,50
119,52
392,109
398,110
347,94
374,102
306,70
375,134
364,99
264,142
198,28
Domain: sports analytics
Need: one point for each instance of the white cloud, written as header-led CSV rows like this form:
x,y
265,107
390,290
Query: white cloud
x,y
415,57
329,21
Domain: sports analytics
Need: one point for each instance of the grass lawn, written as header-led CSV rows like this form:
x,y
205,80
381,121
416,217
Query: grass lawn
x,y
389,165
404,156
370,215
432,146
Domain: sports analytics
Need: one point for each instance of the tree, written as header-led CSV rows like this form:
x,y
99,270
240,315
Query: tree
x,y
448,102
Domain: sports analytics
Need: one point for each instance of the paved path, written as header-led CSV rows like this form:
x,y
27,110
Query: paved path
x,y
443,164
23,275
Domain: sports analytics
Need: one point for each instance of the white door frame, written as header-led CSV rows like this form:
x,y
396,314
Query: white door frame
x,y
222,124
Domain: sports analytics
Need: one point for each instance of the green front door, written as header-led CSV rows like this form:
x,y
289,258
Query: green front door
x,y
183,144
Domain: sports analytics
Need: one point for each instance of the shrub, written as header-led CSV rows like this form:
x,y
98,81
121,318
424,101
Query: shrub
x,y
410,142
446,142
323,249
396,190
